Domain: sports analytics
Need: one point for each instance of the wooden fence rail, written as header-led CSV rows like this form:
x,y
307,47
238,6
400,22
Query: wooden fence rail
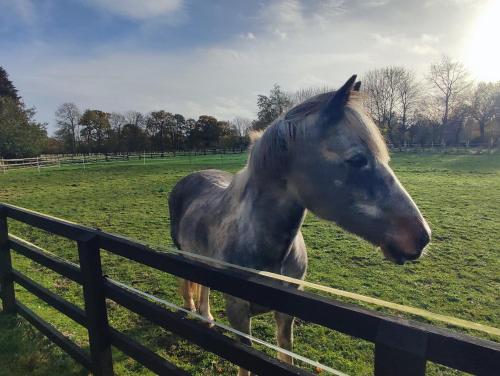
x,y
402,347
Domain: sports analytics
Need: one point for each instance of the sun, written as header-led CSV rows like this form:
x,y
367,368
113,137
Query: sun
x,y
482,49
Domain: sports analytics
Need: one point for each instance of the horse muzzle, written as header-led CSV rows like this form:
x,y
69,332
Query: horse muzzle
x,y
405,248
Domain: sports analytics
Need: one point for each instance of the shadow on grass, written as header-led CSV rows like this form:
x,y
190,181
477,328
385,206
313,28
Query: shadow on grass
x,y
24,351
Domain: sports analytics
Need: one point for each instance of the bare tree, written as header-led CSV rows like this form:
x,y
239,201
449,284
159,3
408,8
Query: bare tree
x,y
241,125
409,93
302,95
136,118
450,81
117,121
385,89
68,118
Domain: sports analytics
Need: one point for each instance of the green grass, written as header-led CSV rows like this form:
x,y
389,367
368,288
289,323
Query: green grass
x,y
458,194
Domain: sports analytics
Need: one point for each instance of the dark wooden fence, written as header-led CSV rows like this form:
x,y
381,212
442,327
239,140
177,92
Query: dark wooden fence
x,y
402,347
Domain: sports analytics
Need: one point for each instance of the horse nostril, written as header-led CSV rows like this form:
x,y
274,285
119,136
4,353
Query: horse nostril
x,y
425,238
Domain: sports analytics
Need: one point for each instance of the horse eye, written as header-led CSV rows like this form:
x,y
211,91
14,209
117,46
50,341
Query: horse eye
x,y
358,161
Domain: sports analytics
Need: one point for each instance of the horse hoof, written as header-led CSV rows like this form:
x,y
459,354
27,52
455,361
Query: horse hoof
x,y
190,309
210,321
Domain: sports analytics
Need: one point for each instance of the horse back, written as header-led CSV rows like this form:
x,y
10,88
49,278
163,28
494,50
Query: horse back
x,y
198,188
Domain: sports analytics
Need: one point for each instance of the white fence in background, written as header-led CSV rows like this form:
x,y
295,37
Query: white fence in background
x,y
82,160
37,162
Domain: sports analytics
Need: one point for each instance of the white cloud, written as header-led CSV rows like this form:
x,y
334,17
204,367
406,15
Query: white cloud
x,y
375,3
424,44
135,9
248,35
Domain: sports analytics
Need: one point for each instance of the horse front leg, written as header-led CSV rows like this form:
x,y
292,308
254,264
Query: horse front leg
x,y
238,314
284,335
204,307
188,292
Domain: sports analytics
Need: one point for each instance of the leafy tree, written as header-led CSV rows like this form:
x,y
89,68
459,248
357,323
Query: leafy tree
x,y
133,138
20,135
7,88
271,107
95,129
161,126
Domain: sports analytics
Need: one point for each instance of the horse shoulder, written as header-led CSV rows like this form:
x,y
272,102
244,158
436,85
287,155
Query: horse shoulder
x,y
295,262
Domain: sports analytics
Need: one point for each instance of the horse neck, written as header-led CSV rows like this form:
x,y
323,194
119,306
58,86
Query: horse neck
x,y
276,216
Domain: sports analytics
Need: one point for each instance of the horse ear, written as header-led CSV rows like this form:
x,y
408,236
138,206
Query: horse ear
x,y
357,86
341,96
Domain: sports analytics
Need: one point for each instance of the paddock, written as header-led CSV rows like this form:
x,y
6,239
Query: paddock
x,y
90,197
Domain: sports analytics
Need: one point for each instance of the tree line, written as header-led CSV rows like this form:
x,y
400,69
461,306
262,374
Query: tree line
x,y
95,131
444,107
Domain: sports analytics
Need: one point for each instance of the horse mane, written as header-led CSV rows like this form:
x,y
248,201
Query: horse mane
x,y
268,147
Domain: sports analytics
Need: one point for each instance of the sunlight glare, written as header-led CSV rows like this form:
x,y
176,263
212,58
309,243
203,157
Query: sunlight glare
x,y
482,52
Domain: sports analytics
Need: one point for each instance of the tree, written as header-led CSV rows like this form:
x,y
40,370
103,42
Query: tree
x,y
7,88
385,90
450,81
67,119
207,132
20,135
117,122
241,125
408,91
485,106
270,108
179,131
96,130
302,95
133,138
134,117
161,126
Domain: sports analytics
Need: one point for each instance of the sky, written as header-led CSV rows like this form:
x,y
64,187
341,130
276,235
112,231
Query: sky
x,y
214,57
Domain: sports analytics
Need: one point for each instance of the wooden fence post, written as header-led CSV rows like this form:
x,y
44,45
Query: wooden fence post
x,y
6,281
400,351
95,306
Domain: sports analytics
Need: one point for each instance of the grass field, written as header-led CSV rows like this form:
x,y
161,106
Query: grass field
x,y
458,194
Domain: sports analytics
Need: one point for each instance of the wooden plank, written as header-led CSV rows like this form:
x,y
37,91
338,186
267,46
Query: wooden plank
x,y
69,309
7,293
50,224
55,336
201,335
400,350
143,355
95,307
36,254
471,355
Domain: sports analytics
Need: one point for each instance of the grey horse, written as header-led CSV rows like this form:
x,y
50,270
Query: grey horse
x,y
324,155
